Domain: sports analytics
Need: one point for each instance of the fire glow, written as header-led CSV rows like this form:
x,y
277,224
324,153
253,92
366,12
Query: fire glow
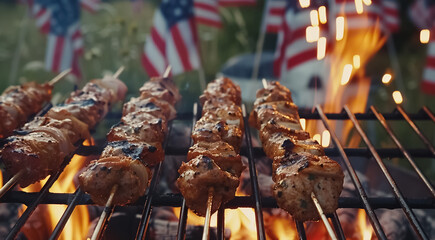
x,y
49,215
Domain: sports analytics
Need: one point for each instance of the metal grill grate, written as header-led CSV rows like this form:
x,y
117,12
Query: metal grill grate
x,y
255,201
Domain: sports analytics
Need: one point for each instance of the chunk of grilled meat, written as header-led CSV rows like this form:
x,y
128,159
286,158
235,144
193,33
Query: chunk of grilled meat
x,y
158,90
222,154
168,84
130,175
198,176
210,130
297,175
19,103
148,154
156,107
222,88
41,147
274,92
282,113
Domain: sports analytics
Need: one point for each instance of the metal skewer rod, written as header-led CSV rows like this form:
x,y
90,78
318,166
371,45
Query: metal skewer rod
x,y
118,72
9,184
323,217
205,234
167,71
264,81
107,209
59,77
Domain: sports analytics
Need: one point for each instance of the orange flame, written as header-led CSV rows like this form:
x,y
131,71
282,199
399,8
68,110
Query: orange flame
x,y
49,215
364,226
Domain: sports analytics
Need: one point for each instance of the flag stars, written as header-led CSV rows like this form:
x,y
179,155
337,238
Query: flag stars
x,y
178,12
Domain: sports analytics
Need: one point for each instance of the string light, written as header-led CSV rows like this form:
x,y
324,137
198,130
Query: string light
x,y
317,137
339,22
321,48
314,17
397,96
326,138
312,34
322,15
356,61
359,6
424,36
347,71
304,3
367,2
386,79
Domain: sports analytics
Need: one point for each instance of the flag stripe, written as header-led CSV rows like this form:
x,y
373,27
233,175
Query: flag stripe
x,y
181,48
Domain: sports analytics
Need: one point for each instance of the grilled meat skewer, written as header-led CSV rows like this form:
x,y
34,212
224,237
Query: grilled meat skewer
x,y
300,166
214,162
134,145
41,145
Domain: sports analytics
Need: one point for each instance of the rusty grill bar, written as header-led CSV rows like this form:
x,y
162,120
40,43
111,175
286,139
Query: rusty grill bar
x,y
32,200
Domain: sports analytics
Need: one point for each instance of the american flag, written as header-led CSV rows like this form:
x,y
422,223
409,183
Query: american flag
x,y
428,83
354,20
41,13
91,5
207,13
236,3
274,15
173,39
293,50
390,15
65,42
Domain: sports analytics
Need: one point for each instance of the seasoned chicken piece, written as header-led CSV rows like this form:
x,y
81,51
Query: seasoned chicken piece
x,y
130,175
135,127
156,107
198,176
222,88
148,154
158,90
283,113
221,152
278,144
168,84
19,103
209,130
272,93
297,175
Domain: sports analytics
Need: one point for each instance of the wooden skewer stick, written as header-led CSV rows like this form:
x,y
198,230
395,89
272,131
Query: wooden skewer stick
x,y
167,71
264,81
97,232
323,217
118,72
9,184
59,77
205,234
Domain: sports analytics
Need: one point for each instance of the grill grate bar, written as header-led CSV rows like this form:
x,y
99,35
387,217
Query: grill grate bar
x,y
429,113
182,223
416,129
221,223
254,179
408,212
301,230
372,216
337,226
66,215
399,145
41,195
144,221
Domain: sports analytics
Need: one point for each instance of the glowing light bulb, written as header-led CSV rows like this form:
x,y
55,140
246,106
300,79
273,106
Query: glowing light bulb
x,y
424,36
322,15
339,23
317,137
304,3
312,34
321,48
314,18
303,123
359,6
397,96
386,79
356,61
326,138
347,71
